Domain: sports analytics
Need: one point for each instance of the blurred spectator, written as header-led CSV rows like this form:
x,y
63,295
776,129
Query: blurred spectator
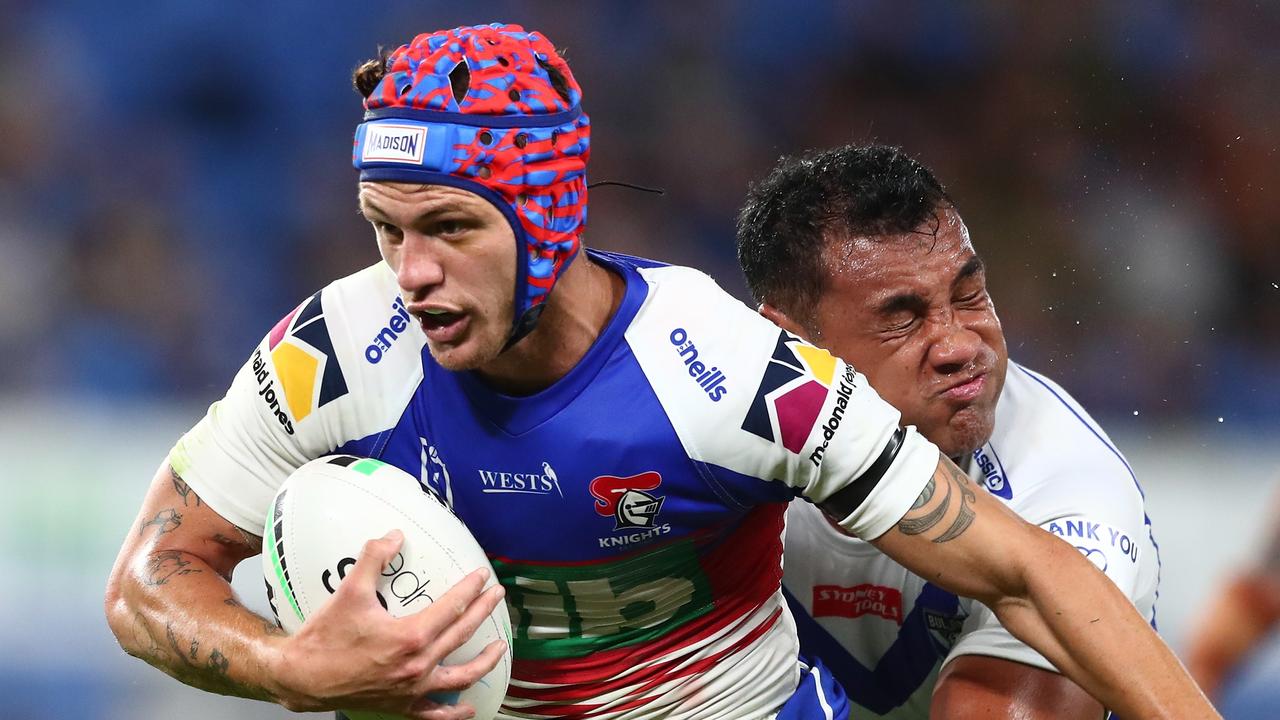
x,y
1235,650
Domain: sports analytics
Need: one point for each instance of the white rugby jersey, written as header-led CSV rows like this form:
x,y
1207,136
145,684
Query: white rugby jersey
x,y
885,633
633,510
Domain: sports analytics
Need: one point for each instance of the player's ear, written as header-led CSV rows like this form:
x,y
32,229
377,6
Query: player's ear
x,y
779,317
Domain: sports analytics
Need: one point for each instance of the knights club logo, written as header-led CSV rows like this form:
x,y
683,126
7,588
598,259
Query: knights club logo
x,y
305,363
791,393
628,499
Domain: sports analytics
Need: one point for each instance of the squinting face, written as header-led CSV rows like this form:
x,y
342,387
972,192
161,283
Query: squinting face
x,y
454,259
914,316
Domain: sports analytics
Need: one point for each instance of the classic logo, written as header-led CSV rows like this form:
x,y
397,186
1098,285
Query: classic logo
x,y
856,601
993,474
791,395
387,335
710,379
535,483
308,369
627,499
387,142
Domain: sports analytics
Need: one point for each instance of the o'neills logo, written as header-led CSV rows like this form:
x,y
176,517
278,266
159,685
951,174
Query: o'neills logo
x,y
267,391
710,379
837,414
387,335
387,142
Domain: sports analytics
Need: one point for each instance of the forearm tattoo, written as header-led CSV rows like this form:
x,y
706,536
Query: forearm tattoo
x,y
917,525
165,565
921,519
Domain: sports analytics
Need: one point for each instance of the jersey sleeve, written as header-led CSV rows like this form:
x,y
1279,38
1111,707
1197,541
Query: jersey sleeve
x,y
770,416
307,388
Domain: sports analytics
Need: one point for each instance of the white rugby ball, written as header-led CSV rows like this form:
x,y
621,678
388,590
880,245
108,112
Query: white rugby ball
x,y
322,516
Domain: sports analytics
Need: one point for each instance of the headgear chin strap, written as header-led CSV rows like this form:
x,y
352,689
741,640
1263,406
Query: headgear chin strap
x,y
512,139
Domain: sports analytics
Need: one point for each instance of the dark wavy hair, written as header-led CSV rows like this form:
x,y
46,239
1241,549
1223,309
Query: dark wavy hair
x,y
846,192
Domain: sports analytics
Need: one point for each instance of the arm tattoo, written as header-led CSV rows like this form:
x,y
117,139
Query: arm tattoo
x,y
915,526
930,519
182,488
165,565
964,518
166,520
218,662
925,495
172,637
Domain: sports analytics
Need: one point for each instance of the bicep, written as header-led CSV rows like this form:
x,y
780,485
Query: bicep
x,y
979,686
961,538
173,519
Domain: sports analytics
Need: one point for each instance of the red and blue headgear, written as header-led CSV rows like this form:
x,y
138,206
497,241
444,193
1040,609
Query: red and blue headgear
x,y
512,139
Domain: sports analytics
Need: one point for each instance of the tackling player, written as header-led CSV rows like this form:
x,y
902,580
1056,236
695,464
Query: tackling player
x,y
887,279
678,423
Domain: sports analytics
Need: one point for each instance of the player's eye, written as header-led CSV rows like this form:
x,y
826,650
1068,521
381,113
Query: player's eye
x,y
973,298
449,227
899,325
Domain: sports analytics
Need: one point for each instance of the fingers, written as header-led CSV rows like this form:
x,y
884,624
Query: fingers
x,y
461,677
374,556
458,633
451,606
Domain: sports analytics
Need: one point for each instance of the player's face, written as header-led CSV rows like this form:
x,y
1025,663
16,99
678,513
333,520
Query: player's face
x,y
914,316
453,254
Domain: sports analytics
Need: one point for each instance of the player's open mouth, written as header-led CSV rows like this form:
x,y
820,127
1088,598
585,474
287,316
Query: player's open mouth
x,y
441,326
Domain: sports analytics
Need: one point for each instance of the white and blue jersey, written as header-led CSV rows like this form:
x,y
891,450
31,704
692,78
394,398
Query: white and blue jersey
x,y
885,633
633,510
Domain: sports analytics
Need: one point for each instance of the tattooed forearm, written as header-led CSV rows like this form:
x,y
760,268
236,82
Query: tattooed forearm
x,y
183,489
166,520
218,662
964,518
167,564
919,520
923,523
925,495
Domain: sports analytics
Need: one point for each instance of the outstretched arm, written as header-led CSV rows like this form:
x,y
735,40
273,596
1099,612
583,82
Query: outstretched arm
x,y
169,601
1045,593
